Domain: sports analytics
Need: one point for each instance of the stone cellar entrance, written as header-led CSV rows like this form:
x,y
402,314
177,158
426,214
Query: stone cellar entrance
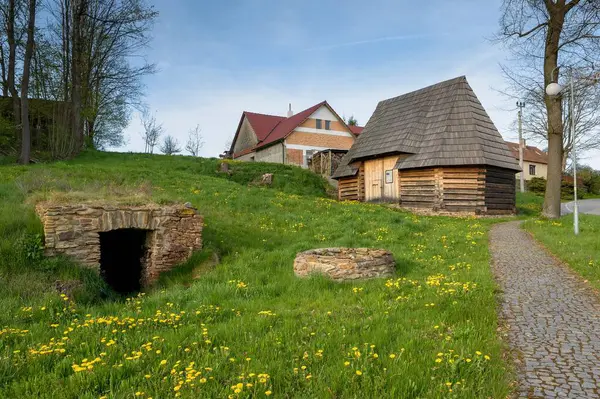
x,y
123,256
128,245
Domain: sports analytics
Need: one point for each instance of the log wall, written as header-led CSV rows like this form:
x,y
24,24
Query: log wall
x,y
500,191
479,190
462,189
418,188
352,188
472,189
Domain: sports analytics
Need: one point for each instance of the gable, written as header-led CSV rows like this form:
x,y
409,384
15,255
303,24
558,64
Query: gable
x,y
337,126
245,138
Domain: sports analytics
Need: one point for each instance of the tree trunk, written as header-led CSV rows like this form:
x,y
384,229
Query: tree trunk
x,y
3,72
554,108
78,12
26,136
12,57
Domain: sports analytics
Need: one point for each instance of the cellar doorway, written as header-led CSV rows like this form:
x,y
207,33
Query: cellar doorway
x,y
123,253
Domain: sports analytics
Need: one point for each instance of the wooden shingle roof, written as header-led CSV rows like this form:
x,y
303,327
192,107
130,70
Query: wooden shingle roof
x,y
441,125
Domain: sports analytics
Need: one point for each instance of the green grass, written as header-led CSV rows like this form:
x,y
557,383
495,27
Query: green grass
x,y
529,204
581,252
247,319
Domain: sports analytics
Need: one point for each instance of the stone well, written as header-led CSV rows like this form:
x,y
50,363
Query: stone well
x,y
160,236
345,263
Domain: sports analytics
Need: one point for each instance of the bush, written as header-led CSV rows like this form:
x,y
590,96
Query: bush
x,y
537,185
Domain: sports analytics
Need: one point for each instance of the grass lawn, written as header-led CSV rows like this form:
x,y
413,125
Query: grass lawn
x,y
581,252
247,327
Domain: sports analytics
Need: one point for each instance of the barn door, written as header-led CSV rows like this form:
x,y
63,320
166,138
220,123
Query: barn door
x,y
374,179
381,179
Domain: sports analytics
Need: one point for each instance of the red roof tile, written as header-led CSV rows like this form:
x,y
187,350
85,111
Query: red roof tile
x,y
530,153
262,124
287,125
356,129
272,128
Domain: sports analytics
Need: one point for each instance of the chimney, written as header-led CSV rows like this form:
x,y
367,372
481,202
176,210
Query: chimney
x,y
290,112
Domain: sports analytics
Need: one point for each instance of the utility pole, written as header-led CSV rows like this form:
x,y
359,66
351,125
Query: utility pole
x,y
521,105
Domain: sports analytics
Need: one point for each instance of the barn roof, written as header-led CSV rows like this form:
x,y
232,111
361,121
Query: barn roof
x,y
441,125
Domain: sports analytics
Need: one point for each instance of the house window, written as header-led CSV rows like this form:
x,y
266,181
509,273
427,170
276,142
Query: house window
x,y
319,121
389,176
327,125
532,170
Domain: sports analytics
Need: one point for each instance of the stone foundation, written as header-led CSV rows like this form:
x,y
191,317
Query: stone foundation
x,y
345,263
174,232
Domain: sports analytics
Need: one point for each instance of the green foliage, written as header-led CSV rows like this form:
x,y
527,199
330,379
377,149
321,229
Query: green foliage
x,y
537,185
245,313
32,247
590,179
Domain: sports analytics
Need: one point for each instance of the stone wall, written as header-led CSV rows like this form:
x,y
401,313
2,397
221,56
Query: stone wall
x,y
174,232
345,263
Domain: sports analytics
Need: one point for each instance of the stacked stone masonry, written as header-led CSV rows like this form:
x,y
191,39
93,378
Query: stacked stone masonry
x,y
174,232
345,263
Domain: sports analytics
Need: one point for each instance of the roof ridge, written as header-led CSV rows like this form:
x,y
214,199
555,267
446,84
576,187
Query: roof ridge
x,y
260,113
430,87
288,118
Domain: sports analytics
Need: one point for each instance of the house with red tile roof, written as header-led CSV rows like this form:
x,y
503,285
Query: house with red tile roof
x,y
291,139
535,161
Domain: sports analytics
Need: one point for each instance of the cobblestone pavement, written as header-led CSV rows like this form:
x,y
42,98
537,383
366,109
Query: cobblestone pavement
x,y
552,315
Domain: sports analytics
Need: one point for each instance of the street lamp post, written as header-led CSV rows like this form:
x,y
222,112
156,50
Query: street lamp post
x,y
554,89
521,105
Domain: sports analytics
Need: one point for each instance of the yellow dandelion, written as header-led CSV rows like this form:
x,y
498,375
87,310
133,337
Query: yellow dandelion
x,y
268,393
358,372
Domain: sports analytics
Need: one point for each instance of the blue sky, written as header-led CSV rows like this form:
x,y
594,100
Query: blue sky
x,y
217,59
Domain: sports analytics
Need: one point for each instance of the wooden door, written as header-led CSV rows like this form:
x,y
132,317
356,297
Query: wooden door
x,y
381,179
374,179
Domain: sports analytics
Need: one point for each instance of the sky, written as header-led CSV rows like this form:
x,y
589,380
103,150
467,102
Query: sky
x,y
218,59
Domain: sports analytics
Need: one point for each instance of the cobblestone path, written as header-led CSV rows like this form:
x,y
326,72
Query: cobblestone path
x,y
552,315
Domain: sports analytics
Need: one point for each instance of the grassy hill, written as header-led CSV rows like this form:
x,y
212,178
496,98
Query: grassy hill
x,y
245,327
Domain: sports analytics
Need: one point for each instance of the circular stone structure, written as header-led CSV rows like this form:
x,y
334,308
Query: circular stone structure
x,y
345,263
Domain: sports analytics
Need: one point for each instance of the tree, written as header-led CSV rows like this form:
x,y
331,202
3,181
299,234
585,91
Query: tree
x,y
152,131
352,121
26,134
170,146
79,14
11,38
586,119
590,179
543,35
194,142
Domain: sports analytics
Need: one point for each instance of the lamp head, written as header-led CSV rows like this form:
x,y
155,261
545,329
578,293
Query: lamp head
x,y
553,89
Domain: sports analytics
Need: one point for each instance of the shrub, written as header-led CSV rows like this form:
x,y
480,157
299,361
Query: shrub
x,y
537,185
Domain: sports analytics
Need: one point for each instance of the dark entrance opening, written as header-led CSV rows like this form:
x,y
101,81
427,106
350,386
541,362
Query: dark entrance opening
x,y
122,253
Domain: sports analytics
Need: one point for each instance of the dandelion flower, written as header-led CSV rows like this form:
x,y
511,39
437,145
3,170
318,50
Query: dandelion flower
x,y
358,372
268,393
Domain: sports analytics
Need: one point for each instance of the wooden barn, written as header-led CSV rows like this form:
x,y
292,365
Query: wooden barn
x,y
435,148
